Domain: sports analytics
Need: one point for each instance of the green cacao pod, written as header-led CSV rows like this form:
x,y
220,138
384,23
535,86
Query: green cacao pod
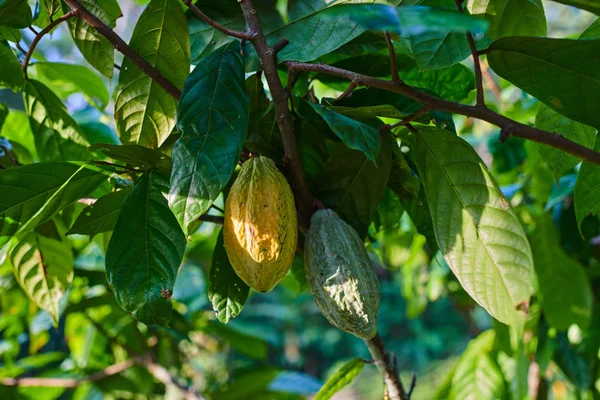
x,y
260,230
340,274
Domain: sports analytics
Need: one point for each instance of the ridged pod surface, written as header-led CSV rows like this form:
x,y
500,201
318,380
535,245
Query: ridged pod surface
x,y
341,276
260,231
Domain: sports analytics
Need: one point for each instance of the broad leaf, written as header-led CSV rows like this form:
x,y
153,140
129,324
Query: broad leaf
x,y
592,31
44,268
402,180
144,111
341,378
213,118
67,79
10,34
564,286
57,135
100,216
52,6
533,64
94,47
16,128
35,192
15,14
226,291
135,156
112,9
11,74
511,17
352,185
439,50
356,135
587,191
592,6
549,120
145,251
477,231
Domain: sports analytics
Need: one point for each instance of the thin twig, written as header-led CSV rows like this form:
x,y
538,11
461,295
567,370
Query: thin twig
x,y
215,219
124,48
435,103
33,30
392,51
407,120
21,49
346,92
476,64
39,37
216,25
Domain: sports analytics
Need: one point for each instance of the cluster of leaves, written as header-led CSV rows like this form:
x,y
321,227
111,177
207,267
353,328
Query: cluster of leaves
x,y
82,204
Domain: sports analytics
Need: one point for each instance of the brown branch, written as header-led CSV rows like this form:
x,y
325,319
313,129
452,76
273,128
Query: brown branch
x,y
124,48
476,64
407,120
216,25
346,92
39,37
434,103
386,365
393,65
215,219
72,382
267,55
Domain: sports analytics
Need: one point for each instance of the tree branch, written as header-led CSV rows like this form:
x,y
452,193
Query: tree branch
x,y
407,120
215,219
124,48
392,51
476,64
387,367
216,25
40,35
266,54
434,103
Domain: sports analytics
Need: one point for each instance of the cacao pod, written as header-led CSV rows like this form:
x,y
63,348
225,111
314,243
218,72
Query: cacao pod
x,y
260,230
343,283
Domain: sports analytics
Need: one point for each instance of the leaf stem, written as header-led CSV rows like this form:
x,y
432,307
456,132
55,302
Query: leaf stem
x,y
216,25
476,63
392,51
405,121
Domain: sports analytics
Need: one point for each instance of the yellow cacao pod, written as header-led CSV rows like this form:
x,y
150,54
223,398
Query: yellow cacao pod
x,y
260,231
343,283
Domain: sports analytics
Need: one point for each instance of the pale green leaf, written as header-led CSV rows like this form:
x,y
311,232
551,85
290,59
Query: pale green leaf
x,y
476,230
341,378
511,17
52,6
144,111
136,156
11,74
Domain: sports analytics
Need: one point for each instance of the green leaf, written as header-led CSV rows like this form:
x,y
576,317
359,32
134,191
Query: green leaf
x,y
11,74
356,135
35,192
477,231
67,79
587,191
16,128
100,216
549,120
564,286
592,31
44,269
341,378
144,111
226,291
249,345
136,156
10,34
352,185
574,365
15,14
437,50
405,21
98,133
112,9
57,135
52,6
533,63
94,47
590,5
402,180
511,17
213,118
145,251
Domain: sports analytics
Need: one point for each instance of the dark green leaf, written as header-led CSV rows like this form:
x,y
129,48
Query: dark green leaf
x,y
532,63
550,121
356,135
10,34
352,185
437,50
402,180
592,31
98,133
112,9
213,118
511,17
15,14
144,111
44,269
52,6
67,79
589,5
573,364
564,287
136,156
587,191
100,216
96,49
11,74
341,378
35,192
145,251
475,227
226,291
